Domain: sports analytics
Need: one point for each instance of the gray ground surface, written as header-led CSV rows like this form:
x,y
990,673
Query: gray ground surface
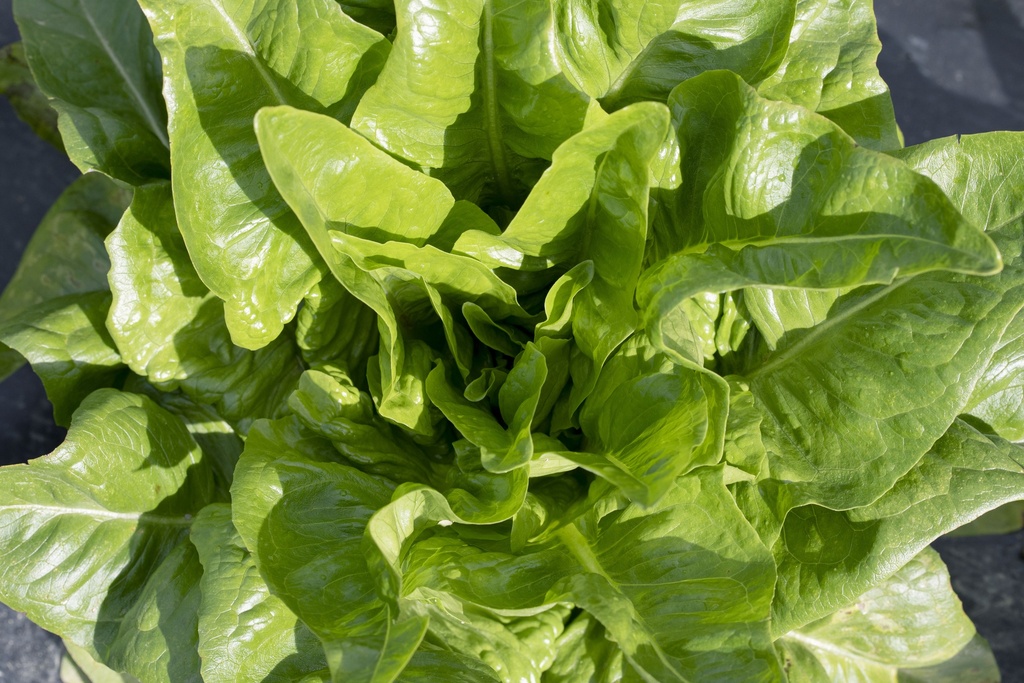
x,y
955,66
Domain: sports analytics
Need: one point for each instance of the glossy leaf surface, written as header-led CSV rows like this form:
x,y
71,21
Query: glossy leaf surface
x,y
223,61
96,61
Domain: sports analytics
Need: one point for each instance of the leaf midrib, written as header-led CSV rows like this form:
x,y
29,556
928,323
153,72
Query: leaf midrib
x,y
574,541
832,648
184,521
776,240
818,330
147,111
249,51
493,127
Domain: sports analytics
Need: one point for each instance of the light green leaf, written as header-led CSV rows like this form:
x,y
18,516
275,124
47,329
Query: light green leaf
x,y
827,558
590,205
28,101
886,373
684,587
776,311
245,633
96,536
911,620
245,243
96,60
830,68
975,663
220,444
802,206
65,254
649,421
68,346
301,514
585,655
981,174
171,329
78,666
331,177
623,51
472,94
978,174
502,448
1003,520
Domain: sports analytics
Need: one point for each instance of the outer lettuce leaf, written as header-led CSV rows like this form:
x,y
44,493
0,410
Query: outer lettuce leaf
x,y
683,587
65,341
623,51
1003,520
96,61
979,174
224,60
859,643
982,174
830,68
826,558
473,95
893,365
245,633
801,207
28,101
301,514
171,329
77,666
96,536
66,254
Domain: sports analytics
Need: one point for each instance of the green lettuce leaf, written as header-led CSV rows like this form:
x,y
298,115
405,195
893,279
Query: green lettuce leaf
x,y
235,600
77,666
66,343
859,643
624,51
19,87
105,85
170,329
244,242
826,557
301,514
790,208
989,164
893,365
484,107
830,68
119,497
66,254
713,624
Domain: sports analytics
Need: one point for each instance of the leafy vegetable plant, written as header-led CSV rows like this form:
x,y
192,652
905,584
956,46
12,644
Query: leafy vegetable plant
x,y
562,341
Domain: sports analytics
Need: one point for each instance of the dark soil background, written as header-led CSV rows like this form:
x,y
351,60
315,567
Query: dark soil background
x,y
954,66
